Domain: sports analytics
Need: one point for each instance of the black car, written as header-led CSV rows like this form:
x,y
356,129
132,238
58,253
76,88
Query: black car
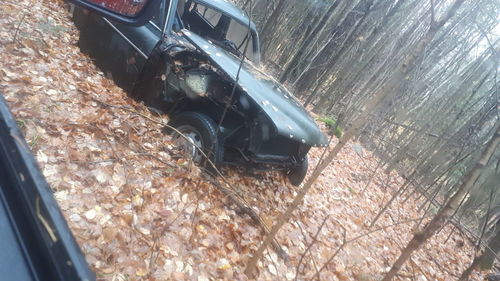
x,y
187,61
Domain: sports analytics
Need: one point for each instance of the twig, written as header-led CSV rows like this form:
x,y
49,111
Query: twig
x,y
95,162
157,159
278,276
228,191
441,267
111,146
159,123
195,214
433,15
152,259
344,243
372,176
385,227
310,254
243,206
483,229
452,231
19,25
45,42
412,263
314,239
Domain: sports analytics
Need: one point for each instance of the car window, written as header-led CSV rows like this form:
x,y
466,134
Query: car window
x,y
209,15
221,28
238,34
159,17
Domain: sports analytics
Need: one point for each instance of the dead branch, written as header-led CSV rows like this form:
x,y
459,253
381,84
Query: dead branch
x,y
310,254
451,12
19,25
314,239
159,123
344,243
447,210
384,228
438,264
195,214
152,258
433,13
228,190
372,176
274,264
400,191
245,208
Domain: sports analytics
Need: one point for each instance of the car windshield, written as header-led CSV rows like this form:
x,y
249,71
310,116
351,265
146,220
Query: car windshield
x,y
223,30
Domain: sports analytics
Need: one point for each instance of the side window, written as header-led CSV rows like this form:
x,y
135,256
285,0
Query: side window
x,y
205,22
238,34
209,15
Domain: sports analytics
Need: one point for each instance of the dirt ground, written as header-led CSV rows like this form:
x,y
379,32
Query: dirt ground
x,y
140,211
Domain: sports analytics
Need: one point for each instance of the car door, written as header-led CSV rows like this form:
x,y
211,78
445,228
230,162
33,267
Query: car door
x,y
131,46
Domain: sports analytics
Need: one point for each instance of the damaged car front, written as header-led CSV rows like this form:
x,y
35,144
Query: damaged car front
x,y
204,73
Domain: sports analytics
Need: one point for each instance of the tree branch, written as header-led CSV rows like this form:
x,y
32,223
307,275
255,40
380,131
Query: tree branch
x,y
433,13
315,238
451,12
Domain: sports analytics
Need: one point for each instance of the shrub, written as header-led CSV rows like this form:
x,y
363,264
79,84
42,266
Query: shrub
x,y
331,124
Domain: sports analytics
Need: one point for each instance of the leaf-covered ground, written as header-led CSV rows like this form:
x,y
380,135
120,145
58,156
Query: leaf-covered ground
x,y
140,211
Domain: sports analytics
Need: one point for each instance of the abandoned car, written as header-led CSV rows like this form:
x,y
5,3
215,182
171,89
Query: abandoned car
x,y
188,62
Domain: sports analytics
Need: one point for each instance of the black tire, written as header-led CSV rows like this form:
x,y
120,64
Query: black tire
x,y
202,131
297,174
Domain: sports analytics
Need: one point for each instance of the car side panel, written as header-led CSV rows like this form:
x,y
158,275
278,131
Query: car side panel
x,y
129,49
119,50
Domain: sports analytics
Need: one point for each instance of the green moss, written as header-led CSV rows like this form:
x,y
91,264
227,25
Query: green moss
x,y
33,142
21,123
331,124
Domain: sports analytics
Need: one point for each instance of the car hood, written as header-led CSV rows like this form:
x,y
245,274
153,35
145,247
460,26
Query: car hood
x,y
286,113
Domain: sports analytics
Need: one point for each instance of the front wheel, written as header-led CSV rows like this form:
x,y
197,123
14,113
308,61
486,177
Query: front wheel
x,y
297,174
199,137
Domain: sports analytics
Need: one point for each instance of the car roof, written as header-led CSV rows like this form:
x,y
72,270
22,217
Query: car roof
x,y
227,8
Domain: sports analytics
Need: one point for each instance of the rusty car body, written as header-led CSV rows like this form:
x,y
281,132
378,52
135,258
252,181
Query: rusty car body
x,y
188,62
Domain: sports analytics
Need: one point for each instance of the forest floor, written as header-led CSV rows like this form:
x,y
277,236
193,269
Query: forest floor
x,y
140,211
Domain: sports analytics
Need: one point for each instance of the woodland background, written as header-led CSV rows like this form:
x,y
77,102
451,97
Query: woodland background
x,y
412,84
430,127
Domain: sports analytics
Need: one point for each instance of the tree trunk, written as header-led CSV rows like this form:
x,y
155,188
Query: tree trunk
x,y
444,214
487,258
271,23
330,50
385,91
291,67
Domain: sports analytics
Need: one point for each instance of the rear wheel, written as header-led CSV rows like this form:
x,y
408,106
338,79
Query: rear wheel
x,y
297,174
199,137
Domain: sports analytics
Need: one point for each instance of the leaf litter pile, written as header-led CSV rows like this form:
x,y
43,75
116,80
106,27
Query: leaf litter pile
x,y
140,211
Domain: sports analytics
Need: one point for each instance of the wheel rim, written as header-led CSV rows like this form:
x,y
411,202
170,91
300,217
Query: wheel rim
x,y
190,142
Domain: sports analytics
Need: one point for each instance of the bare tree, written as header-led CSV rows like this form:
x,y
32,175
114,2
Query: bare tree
x,y
382,93
444,214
